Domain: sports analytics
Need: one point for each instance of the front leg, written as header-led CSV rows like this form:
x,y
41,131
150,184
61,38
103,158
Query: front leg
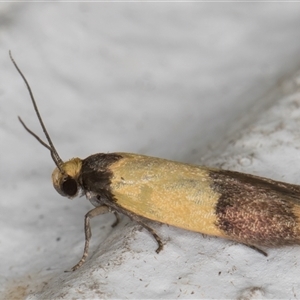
x,y
99,210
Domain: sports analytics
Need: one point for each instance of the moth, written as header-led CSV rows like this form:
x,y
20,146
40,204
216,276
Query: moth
x,y
251,210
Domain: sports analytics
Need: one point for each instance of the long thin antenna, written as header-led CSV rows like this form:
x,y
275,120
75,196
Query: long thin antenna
x,y
56,158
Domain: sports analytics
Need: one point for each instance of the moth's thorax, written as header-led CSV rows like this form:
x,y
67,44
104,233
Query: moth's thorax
x,y
70,169
95,177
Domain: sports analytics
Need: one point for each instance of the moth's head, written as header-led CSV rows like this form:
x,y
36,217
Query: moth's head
x,y
65,178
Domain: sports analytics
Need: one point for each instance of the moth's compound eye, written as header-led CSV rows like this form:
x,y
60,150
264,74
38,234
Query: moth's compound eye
x,y
65,178
69,187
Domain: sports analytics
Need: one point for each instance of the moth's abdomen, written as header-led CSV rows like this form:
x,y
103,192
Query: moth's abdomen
x,y
257,211
256,223
245,208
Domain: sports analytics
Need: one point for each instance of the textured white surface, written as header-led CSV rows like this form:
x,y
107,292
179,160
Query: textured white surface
x,y
195,82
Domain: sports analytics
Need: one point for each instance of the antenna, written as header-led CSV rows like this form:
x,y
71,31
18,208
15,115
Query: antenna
x,y
56,158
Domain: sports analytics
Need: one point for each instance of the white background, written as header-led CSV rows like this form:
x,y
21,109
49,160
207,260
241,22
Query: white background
x,y
175,80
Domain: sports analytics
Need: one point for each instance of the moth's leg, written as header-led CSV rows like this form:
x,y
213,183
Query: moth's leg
x,y
154,234
117,219
257,249
99,210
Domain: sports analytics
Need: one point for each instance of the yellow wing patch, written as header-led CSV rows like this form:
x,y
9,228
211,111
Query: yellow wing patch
x,y
165,191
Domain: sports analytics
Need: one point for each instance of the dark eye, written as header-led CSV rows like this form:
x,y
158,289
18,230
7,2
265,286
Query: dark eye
x,y
69,187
